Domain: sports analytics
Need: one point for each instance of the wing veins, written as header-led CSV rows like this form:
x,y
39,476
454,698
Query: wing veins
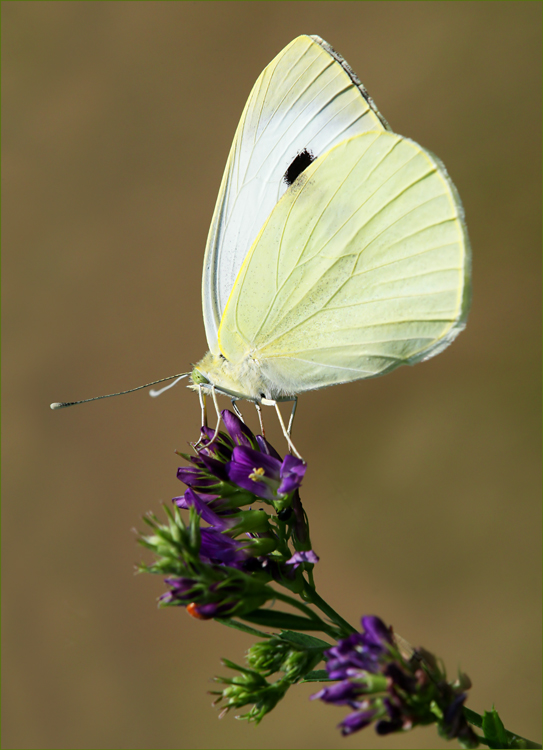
x,y
389,226
280,287
292,86
358,304
334,194
381,208
404,278
407,237
406,257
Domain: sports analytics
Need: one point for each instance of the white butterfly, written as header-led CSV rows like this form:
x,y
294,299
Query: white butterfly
x,y
338,249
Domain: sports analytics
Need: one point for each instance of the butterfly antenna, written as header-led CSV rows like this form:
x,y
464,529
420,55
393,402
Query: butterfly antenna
x,y
64,404
154,393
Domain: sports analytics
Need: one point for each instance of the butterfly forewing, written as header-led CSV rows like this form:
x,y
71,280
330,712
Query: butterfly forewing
x,y
362,266
305,102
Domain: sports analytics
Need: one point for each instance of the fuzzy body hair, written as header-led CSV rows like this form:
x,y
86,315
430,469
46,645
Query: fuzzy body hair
x,y
251,378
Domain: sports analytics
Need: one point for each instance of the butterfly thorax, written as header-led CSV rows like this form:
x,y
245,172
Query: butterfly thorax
x,y
239,380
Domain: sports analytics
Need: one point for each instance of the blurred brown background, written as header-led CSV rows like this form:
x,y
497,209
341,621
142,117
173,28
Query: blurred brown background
x,y
423,486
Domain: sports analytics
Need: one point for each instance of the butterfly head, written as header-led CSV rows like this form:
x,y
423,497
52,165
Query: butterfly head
x,y
241,380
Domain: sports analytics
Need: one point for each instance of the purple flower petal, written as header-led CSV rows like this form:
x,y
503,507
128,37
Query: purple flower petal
x,y
365,651
248,465
356,721
221,448
221,549
342,693
238,431
376,632
251,459
190,475
220,523
238,475
292,472
214,466
182,502
213,609
181,590
265,447
300,557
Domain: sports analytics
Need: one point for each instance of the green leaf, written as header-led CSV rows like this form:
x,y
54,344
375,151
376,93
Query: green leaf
x,y
230,623
494,730
317,675
269,618
473,717
307,642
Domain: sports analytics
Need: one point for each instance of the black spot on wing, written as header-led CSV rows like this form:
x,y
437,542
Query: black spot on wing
x,y
301,161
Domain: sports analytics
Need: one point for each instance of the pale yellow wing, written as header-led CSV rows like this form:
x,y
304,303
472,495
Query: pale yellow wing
x,y
362,266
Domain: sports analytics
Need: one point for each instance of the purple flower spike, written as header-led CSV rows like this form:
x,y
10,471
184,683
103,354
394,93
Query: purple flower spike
x,y
389,690
361,651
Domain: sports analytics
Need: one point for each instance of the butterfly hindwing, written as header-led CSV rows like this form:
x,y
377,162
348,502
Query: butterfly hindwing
x,y
363,265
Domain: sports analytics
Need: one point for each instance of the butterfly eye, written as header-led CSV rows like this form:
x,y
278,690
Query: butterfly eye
x,y
198,378
301,162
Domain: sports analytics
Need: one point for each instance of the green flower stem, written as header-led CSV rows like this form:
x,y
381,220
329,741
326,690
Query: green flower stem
x,y
477,720
325,627
311,596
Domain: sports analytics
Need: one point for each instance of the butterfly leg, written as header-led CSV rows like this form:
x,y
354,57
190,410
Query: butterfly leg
x,y
237,411
285,433
219,418
203,407
292,413
270,402
259,412
204,418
